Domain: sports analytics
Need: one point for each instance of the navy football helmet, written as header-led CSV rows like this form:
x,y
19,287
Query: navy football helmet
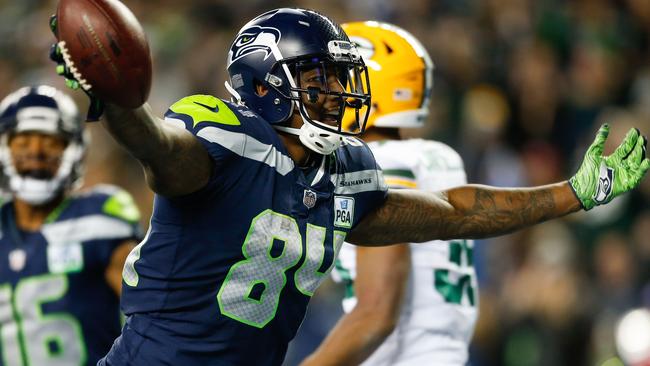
x,y
273,49
46,110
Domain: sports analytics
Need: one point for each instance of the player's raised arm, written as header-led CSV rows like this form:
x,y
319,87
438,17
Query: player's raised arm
x,y
163,149
475,211
115,71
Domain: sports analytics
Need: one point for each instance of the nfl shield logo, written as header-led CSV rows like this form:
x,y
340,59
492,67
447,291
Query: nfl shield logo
x,y
17,258
309,198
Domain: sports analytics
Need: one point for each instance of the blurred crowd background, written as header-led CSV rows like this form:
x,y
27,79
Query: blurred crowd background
x,y
521,87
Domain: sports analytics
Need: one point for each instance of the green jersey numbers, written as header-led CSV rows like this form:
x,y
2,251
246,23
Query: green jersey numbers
x,y
455,285
311,273
251,291
29,337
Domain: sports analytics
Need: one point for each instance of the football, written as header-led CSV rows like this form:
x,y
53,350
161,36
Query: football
x,y
105,48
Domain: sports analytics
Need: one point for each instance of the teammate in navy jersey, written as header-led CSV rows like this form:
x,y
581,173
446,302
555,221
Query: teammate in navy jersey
x,y
61,252
254,197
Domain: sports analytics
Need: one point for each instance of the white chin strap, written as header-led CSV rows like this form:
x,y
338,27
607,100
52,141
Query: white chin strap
x,y
35,191
314,138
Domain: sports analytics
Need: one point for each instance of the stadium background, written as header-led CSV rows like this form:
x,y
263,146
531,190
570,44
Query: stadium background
x,y
521,86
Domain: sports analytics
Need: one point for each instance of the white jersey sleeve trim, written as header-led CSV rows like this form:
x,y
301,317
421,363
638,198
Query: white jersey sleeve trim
x,y
248,147
94,227
357,182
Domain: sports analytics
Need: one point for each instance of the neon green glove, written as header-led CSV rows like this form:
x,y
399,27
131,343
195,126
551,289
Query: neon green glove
x,y
96,106
601,178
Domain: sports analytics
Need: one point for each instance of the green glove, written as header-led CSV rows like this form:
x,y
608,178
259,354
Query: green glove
x,y
96,107
601,178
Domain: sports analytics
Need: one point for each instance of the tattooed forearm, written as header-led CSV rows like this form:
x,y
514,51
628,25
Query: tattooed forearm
x,y
161,148
406,216
499,212
465,212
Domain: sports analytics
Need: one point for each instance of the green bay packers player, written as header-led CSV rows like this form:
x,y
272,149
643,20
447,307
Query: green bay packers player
x,y
414,304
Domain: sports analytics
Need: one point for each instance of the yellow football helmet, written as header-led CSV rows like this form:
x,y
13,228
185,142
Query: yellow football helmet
x,y
400,71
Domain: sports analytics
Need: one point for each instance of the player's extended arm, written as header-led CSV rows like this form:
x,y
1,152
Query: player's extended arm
x,y
174,161
470,211
382,274
475,211
113,273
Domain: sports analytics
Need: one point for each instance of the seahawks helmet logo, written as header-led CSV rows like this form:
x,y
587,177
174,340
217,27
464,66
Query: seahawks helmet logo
x,y
254,39
605,182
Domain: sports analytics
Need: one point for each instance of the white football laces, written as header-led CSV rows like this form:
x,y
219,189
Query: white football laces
x,y
73,69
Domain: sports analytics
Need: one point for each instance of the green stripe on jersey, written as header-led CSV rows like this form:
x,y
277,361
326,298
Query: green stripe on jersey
x,y
348,282
402,173
121,205
344,272
205,108
57,211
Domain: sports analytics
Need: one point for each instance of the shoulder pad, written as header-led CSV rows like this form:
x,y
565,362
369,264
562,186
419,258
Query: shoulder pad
x,y
352,141
205,108
120,204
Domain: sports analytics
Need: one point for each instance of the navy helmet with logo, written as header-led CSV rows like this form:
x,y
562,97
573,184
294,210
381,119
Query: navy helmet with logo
x,y
46,110
273,48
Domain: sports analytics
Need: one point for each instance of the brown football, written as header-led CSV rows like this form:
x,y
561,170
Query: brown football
x,y
106,49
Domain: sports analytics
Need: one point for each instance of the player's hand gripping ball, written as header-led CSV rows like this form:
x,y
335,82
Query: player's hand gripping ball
x,y
104,50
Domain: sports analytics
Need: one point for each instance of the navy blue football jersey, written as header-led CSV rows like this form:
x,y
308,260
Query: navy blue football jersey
x,y
56,307
224,274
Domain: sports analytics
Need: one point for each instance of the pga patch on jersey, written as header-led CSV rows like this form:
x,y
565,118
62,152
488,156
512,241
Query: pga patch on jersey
x,y
343,211
65,257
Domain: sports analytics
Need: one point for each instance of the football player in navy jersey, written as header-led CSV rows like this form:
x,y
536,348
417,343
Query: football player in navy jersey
x,y
254,197
61,251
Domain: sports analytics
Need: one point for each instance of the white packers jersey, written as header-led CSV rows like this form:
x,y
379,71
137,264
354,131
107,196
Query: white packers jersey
x,y
440,306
